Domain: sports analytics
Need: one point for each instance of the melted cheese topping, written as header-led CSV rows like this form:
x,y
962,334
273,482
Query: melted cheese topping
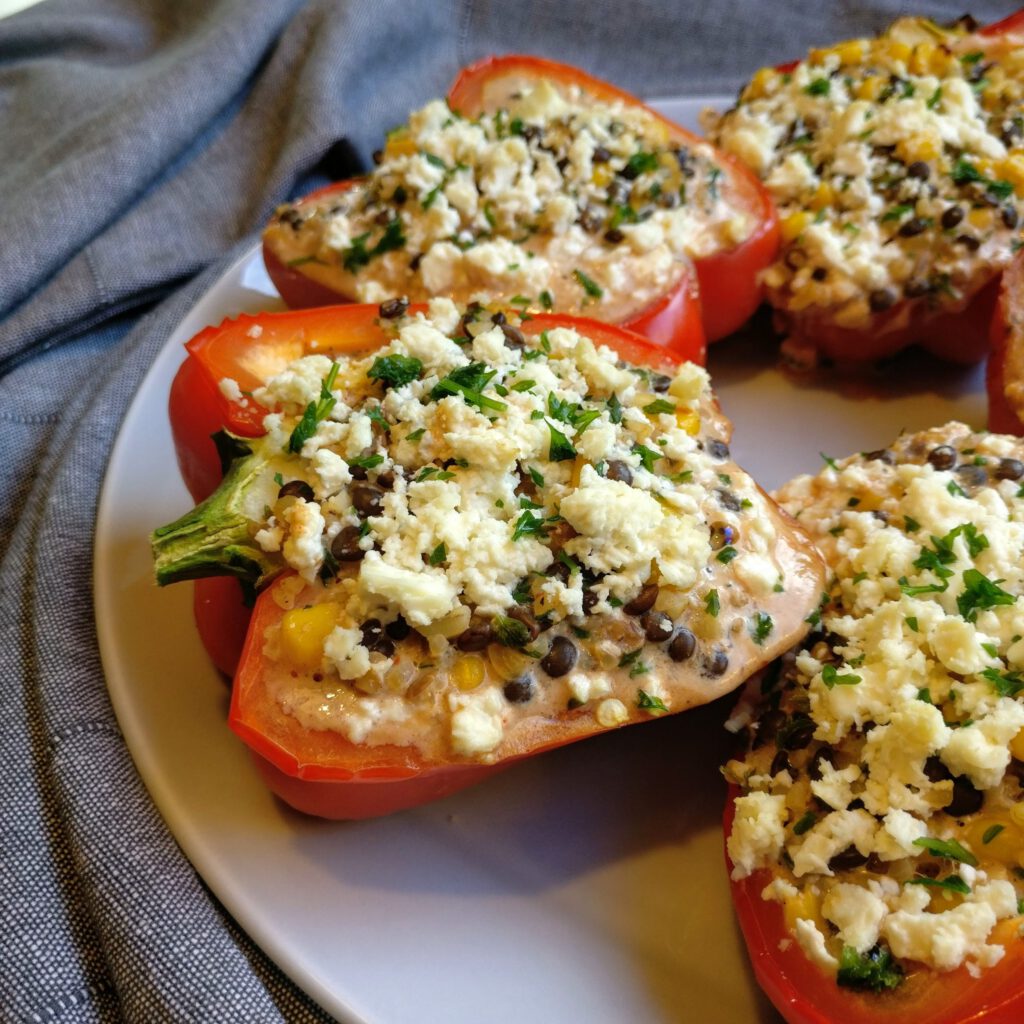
x,y
884,775
560,201
897,165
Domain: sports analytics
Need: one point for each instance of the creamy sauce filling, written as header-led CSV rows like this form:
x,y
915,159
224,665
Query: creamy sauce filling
x,y
556,201
493,528
897,166
882,787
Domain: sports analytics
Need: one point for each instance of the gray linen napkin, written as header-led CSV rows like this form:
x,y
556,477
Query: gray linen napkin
x,y
141,141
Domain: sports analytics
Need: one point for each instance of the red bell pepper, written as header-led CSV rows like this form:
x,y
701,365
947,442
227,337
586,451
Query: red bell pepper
x,y
319,772
960,336
804,994
727,280
1005,370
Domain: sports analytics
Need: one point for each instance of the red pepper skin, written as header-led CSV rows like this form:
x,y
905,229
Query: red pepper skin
x,y
317,772
1006,362
726,281
804,994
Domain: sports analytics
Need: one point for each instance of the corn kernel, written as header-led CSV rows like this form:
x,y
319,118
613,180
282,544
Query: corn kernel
x,y
794,224
1012,169
758,86
921,59
688,420
1002,848
899,51
1017,814
468,672
980,217
824,195
602,175
807,905
850,52
400,143
303,632
1017,746
869,88
918,147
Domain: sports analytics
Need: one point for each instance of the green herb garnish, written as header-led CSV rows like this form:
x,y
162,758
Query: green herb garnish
x,y
315,412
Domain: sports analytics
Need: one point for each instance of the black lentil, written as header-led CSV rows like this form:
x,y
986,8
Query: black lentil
x,y
1009,469
393,308
519,691
882,299
345,546
644,601
475,638
561,657
618,470
657,626
952,216
296,489
368,500
683,644
942,457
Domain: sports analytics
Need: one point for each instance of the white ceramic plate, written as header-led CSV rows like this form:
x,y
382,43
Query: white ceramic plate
x,y
583,885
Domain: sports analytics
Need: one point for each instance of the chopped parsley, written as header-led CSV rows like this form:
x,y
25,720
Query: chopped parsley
x,y
727,554
529,525
646,702
545,299
763,626
647,456
357,256
805,823
416,434
367,461
874,970
438,555
952,883
948,848
509,632
395,370
991,832
561,449
315,412
588,284
711,603
979,594
640,163
831,677
469,381
659,405
818,87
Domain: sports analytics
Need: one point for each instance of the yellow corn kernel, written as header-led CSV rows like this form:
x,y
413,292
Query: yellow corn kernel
x,y
817,56
758,85
688,420
1012,169
918,147
899,51
850,52
1005,847
807,905
507,663
981,217
869,88
824,195
1017,746
303,632
1017,816
794,224
986,166
468,672
400,143
602,175
920,62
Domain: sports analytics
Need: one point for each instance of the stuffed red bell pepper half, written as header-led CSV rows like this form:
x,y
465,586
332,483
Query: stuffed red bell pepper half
x,y
471,535
539,186
897,166
875,831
